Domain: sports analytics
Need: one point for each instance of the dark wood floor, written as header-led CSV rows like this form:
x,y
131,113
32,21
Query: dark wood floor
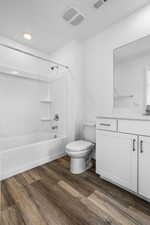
x,y
51,195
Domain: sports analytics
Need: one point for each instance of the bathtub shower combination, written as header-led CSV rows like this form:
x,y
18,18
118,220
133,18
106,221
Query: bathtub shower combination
x,y
33,124
25,152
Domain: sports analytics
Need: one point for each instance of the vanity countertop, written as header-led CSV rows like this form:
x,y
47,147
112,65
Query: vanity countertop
x,y
124,117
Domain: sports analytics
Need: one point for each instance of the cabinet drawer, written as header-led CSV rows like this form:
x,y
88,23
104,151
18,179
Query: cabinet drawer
x,y
106,124
134,127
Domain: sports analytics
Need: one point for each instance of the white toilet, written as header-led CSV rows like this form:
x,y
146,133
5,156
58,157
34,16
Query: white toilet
x,y
80,151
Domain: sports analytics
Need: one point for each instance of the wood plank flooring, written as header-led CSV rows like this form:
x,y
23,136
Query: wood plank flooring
x,y
51,195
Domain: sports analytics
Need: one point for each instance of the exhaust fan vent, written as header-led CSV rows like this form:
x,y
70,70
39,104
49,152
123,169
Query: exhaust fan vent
x,y
99,3
73,17
70,14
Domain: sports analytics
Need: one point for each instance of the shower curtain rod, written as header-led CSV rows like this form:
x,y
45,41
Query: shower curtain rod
x,y
33,55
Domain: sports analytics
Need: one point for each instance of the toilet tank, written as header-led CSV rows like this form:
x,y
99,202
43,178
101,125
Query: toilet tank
x,y
89,131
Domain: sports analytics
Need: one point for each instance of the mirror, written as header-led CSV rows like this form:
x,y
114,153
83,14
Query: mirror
x,y
132,76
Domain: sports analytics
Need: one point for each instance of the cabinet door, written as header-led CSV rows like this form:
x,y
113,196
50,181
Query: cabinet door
x,y
116,158
144,166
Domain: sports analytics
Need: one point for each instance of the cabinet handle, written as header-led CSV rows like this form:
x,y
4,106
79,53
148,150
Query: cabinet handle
x,y
141,146
105,124
134,145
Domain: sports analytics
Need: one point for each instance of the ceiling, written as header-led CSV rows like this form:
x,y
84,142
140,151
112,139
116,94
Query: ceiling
x,y
43,18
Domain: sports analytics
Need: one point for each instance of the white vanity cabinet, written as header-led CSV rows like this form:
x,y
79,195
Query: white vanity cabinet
x,y
123,154
116,158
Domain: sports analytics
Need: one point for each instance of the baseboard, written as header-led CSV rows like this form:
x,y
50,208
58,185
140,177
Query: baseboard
x,y
32,165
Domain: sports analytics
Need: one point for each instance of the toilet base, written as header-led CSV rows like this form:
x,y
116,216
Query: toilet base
x,y
79,165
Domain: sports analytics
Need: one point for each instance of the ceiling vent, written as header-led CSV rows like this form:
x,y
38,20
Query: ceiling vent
x,y
99,3
73,16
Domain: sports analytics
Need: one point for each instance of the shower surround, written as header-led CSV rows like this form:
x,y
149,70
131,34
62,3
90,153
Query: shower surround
x,y
31,95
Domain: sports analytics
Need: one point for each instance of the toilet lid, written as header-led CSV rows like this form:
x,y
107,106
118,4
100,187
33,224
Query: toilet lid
x,y
79,145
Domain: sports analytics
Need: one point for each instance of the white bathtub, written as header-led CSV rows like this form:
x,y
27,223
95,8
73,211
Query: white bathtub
x,y
22,153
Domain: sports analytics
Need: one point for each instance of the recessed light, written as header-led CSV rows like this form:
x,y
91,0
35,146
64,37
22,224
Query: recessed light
x,y
27,36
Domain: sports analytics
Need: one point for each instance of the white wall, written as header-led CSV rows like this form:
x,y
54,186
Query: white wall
x,y
99,60
72,55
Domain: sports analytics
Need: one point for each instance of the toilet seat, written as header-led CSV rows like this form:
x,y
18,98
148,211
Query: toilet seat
x,y
78,146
